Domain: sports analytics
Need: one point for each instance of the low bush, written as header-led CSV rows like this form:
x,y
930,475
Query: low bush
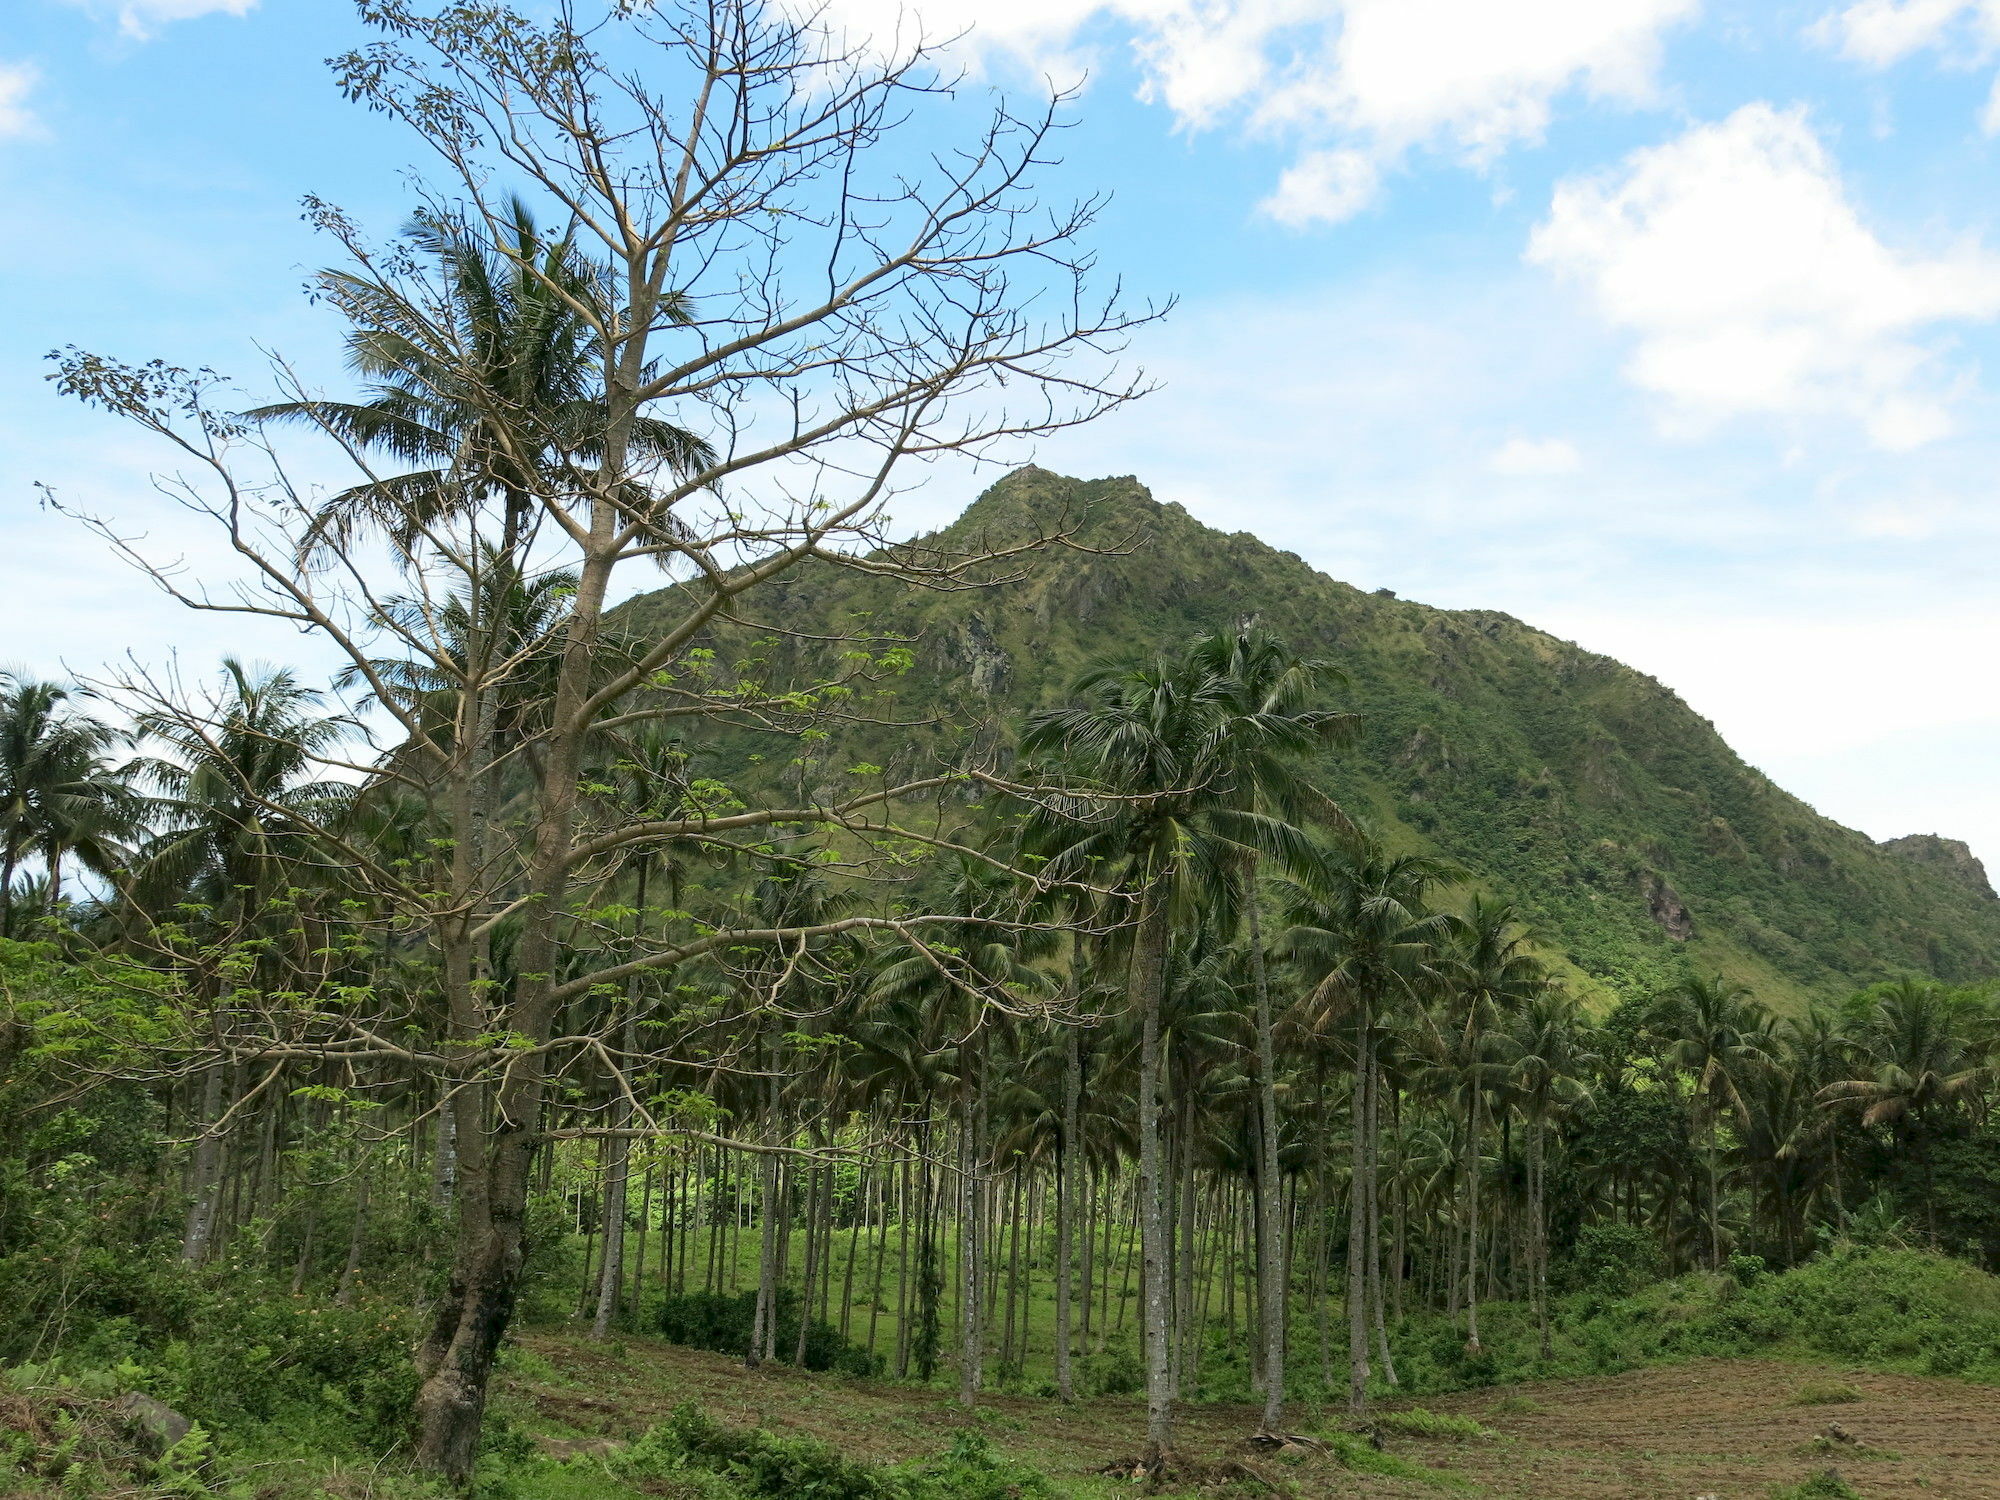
x,y
1825,1485
1416,1422
1895,1308
723,1323
697,1457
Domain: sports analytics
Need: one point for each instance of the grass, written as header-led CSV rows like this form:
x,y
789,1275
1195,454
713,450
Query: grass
x,y
1358,1455
1825,1485
1415,1421
1825,1393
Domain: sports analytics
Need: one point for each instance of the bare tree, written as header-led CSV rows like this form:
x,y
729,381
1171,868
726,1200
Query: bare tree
x,y
766,242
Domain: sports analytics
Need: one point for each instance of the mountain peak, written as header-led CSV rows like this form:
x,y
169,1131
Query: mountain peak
x,y
1953,857
1636,841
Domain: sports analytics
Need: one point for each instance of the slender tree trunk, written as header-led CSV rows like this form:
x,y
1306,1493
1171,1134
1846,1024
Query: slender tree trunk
x,y
1714,1201
1065,1212
971,1238
1472,1220
1376,1298
1357,1217
617,1172
205,1175
1269,1217
357,1238
1148,982
1541,1232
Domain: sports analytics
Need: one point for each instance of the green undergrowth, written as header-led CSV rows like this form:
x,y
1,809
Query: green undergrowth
x,y
1903,1310
703,1459
1356,1453
1416,1422
1825,1485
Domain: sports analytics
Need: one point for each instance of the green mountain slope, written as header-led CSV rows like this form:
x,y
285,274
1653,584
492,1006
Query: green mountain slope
x,y
1588,792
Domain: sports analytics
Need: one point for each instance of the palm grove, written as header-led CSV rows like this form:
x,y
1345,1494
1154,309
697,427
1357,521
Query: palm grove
x,y
534,968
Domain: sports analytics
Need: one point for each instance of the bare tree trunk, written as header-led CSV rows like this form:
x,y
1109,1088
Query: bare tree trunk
x,y
1148,980
617,1173
1362,1164
357,1237
1271,1290
469,1321
1065,1211
1376,1297
1472,1221
1540,1212
205,1176
971,1243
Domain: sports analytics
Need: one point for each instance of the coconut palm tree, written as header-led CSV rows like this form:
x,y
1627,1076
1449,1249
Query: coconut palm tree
x,y
1913,1041
1363,938
1553,1061
240,803
1269,681
1191,764
959,976
1489,975
60,795
1712,1029
507,334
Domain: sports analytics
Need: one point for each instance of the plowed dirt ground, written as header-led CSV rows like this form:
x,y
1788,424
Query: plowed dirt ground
x,y
1731,1429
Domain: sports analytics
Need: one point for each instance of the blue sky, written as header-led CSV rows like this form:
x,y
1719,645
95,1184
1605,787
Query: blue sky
x,y
1672,327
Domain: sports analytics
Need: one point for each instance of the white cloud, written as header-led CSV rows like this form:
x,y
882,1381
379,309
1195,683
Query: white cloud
x,y
1355,84
139,19
1735,256
1324,187
1530,458
1471,74
17,81
1882,33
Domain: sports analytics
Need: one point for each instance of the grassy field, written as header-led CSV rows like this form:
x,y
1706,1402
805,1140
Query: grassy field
x,y
1728,1428
1882,1364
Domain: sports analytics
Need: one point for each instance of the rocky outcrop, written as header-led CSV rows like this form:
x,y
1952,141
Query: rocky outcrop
x,y
151,1421
1664,904
985,664
1949,856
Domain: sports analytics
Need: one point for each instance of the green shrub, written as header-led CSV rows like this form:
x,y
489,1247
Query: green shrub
x,y
1825,1393
702,1459
756,1462
1611,1258
1825,1485
1114,1372
1417,1422
715,1321
1354,1452
971,1470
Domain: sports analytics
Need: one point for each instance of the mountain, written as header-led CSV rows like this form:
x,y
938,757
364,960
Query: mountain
x,y
1641,846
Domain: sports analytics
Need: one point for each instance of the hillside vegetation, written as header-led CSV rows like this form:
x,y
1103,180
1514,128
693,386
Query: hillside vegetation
x,y
1586,792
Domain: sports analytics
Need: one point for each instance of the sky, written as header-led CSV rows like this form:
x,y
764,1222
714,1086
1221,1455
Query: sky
x,y
1669,326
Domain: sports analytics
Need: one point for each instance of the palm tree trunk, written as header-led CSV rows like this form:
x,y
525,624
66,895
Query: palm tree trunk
x,y
1376,1298
971,1234
1270,1215
1065,1212
1362,1163
1540,1230
611,1269
1148,983
1714,1209
1472,1220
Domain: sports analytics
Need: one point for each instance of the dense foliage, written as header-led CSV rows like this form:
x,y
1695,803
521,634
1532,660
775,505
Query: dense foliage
x,y
1179,1004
